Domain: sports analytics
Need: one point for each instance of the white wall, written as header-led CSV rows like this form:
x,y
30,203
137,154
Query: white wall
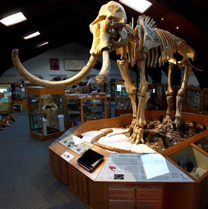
x,y
191,82
40,65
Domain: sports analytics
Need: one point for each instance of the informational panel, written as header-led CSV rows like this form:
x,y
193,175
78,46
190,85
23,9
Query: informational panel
x,y
74,64
141,167
76,144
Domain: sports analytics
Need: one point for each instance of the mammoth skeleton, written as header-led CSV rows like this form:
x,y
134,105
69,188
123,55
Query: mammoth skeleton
x,y
111,32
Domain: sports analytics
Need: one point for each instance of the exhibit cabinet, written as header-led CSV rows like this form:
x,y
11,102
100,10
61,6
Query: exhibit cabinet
x,y
204,101
85,107
122,100
46,112
19,94
6,104
157,99
192,100
182,186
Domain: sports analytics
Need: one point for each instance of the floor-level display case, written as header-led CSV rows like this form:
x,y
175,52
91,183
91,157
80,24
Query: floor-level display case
x,y
46,112
183,186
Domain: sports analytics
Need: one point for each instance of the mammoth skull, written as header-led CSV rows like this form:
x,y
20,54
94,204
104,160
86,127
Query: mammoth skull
x,y
109,24
105,29
49,108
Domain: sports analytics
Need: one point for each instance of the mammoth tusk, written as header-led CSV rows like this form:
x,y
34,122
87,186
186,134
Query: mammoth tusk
x,y
103,75
53,84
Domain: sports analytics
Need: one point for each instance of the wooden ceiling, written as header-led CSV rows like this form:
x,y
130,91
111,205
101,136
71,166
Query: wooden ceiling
x,y
62,22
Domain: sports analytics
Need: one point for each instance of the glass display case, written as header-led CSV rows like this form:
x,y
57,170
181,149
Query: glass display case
x,y
157,99
192,99
19,97
19,91
73,110
46,112
85,107
93,107
122,100
204,102
192,159
6,106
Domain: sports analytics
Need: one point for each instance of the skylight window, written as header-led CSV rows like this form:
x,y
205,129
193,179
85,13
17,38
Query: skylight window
x,y
13,19
37,33
139,5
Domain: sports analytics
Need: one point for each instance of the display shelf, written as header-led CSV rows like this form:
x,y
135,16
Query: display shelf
x,y
194,163
192,100
84,107
157,194
46,112
19,91
204,101
6,105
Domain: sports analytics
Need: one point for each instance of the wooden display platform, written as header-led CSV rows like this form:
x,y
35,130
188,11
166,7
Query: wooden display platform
x,y
140,195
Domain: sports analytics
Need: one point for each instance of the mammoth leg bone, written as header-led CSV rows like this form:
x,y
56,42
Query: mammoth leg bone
x,y
143,97
169,94
130,89
181,92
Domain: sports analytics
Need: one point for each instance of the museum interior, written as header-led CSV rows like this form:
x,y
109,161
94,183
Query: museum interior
x,y
103,104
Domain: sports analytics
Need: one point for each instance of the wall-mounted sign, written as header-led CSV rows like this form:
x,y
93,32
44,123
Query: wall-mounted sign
x,y
74,64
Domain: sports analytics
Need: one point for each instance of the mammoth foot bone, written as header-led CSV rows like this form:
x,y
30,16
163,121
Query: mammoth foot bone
x,y
177,121
137,136
131,127
167,119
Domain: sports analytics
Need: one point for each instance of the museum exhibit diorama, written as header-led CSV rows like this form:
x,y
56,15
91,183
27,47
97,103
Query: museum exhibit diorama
x,y
149,159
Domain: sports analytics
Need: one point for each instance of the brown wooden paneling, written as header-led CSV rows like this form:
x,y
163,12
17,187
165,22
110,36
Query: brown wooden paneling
x,y
98,194
83,187
121,204
179,195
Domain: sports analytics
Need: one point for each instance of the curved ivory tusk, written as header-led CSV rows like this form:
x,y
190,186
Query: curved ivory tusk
x,y
103,75
53,84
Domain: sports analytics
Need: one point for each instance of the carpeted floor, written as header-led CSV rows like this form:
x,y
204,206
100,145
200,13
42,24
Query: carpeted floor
x,y
25,178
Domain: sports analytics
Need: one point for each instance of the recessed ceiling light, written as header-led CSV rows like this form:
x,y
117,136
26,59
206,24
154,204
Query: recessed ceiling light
x,y
177,27
13,19
139,5
42,44
32,35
